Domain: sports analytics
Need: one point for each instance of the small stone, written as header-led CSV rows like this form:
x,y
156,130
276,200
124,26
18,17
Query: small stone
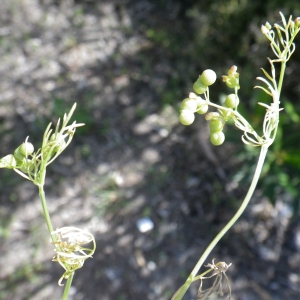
x,y
144,224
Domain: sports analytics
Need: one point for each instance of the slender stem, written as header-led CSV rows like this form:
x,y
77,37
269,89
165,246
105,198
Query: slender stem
x,y
282,71
180,293
53,237
67,287
46,213
239,117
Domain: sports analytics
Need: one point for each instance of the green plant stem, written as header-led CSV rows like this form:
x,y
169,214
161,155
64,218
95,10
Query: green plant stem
x,y
67,286
180,293
50,228
46,213
280,81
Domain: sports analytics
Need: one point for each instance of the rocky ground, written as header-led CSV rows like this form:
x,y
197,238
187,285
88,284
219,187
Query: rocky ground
x,y
132,160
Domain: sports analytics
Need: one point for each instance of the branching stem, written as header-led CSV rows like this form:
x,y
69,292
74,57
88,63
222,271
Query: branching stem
x,y
190,279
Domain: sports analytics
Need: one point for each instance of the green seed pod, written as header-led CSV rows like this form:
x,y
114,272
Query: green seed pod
x,y
215,125
208,77
189,104
199,87
231,101
217,138
18,155
26,149
202,109
186,117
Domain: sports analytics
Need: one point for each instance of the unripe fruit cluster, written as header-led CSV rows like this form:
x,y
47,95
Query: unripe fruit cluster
x,y
207,78
218,120
189,107
217,136
23,151
194,103
231,101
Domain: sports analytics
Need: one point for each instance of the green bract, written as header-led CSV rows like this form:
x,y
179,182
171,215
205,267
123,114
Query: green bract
x,y
199,87
189,104
232,101
232,79
208,77
232,82
59,141
217,138
186,117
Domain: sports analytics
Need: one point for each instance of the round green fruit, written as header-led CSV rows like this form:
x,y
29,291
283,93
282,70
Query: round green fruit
x,y
208,77
189,104
217,138
215,125
202,109
186,117
232,101
26,149
18,155
200,101
199,87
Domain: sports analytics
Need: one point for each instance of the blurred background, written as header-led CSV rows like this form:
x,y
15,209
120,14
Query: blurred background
x,y
128,64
